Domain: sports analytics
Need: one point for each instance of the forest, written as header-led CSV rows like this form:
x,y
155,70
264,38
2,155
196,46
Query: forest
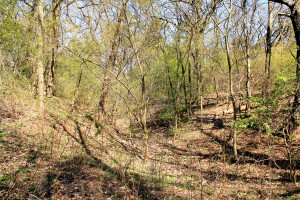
x,y
150,99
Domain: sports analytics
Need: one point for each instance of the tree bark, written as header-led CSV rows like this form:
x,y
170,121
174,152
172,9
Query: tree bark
x,y
183,69
230,78
116,40
268,49
54,43
247,36
198,65
39,64
248,84
295,17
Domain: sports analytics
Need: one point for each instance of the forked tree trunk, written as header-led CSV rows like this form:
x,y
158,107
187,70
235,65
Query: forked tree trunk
x,y
116,40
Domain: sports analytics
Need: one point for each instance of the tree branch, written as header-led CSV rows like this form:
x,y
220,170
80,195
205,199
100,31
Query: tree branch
x,y
284,14
284,2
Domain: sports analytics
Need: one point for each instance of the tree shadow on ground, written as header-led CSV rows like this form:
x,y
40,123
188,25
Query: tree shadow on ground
x,y
291,193
132,181
214,175
187,152
250,157
76,178
245,156
68,176
212,119
73,179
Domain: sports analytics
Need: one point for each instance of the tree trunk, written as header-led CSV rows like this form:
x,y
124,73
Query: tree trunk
x,y
294,7
190,86
40,68
189,95
295,17
144,116
230,79
183,69
198,65
292,125
143,105
198,74
116,40
248,83
247,55
268,49
51,68
216,88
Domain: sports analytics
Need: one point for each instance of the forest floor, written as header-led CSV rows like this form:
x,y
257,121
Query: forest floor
x,y
68,156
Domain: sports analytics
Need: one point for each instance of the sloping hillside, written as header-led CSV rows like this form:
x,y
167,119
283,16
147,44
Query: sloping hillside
x,y
67,157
